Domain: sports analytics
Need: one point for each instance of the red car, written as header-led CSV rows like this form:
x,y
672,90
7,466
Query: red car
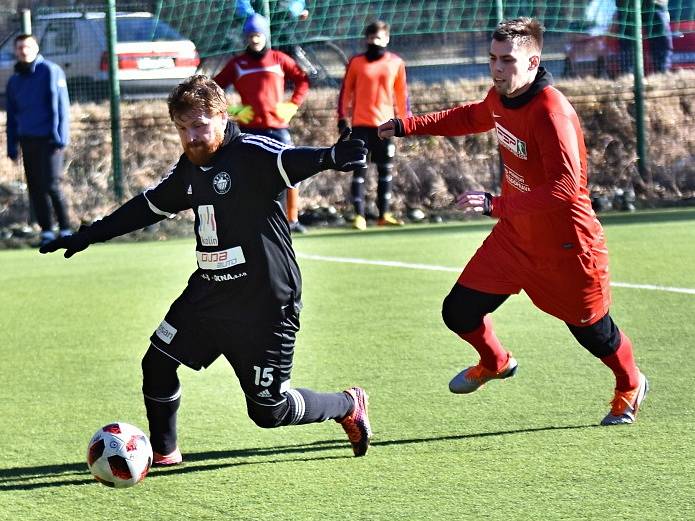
x,y
597,52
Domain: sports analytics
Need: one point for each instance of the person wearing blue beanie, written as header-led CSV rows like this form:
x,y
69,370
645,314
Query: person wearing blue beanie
x,y
257,24
260,76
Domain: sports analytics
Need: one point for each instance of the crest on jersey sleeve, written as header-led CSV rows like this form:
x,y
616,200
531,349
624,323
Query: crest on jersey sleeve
x,y
222,183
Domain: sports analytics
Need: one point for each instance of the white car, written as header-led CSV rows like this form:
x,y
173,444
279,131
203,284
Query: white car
x,y
152,56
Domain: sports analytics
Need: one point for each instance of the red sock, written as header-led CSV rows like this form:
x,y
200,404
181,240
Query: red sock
x,y
622,363
492,355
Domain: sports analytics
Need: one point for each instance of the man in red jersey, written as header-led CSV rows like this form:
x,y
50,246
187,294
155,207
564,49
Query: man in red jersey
x,y
547,240
259,75
374,85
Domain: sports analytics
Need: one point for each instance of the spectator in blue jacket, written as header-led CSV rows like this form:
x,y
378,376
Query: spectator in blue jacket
x,y
38,123
296,8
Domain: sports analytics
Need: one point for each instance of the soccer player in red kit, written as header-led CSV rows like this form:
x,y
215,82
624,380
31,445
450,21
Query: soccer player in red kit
x,y
547,240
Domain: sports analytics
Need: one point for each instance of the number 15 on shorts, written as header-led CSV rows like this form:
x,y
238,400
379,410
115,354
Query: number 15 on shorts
x,y
263,375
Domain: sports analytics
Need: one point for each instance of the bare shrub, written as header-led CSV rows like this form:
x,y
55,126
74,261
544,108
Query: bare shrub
x,y
431,171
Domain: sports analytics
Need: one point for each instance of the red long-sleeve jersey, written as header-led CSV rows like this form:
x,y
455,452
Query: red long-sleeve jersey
x,y
261,84
544,208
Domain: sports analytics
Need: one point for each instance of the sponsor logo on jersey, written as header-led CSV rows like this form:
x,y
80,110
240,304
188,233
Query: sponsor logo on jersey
x,y
224,277
516,180
265,393
207,229
166,332
222,183
220,260
511,142
190,190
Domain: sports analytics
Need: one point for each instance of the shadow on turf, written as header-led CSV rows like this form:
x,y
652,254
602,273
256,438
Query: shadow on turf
x,y
13,478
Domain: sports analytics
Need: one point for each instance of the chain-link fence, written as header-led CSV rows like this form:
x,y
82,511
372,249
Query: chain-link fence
x,y
160,42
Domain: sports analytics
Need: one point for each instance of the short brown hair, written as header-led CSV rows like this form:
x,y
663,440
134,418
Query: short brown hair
x,y
22,37
375,27
523,31
197,92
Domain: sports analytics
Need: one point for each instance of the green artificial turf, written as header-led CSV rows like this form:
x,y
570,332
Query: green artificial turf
x,y
72,334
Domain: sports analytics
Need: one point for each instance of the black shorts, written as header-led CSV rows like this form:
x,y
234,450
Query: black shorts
x,y
260,354
381,151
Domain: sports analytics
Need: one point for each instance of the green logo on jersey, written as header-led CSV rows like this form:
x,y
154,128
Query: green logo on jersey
x,y
521,149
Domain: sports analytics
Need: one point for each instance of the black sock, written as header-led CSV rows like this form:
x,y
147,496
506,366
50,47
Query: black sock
x,y
357,190
161,416
162,393
383,188
307,406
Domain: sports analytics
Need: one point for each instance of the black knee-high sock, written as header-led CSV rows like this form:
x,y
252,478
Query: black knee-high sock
x,y
161,416
162,394
307,406
383,188
357,190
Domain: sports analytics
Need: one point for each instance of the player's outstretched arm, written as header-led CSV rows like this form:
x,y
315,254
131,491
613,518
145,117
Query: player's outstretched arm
x,y
131,216
346,155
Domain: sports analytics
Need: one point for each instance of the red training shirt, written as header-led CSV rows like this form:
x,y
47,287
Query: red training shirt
x,y
261,84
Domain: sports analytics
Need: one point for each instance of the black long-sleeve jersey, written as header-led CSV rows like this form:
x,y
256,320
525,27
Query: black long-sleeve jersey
x,y
247,269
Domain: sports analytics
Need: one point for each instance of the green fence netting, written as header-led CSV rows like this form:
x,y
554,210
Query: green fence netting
x,y
440,41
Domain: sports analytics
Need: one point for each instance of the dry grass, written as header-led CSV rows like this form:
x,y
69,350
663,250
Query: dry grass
x,y
430,171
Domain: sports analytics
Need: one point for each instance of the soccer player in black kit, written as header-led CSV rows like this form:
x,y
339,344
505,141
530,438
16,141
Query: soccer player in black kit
x,y
244,299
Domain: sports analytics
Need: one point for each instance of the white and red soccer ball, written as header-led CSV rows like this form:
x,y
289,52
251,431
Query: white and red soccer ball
x,y
119,455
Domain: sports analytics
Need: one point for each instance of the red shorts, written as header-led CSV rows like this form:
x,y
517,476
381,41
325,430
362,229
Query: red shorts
x,y
574,288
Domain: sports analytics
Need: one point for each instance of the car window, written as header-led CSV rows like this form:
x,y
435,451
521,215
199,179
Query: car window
x,y
59,38
145,30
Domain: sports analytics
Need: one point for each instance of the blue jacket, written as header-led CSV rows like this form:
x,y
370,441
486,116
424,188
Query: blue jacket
x,y
38,105
244,8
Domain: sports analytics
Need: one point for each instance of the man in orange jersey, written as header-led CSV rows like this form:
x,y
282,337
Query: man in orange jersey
x,y
259,75
374,85
547,240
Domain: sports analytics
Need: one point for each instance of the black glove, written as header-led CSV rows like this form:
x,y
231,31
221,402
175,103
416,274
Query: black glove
x,y
398,127
72,244
342,125
487,204
347,154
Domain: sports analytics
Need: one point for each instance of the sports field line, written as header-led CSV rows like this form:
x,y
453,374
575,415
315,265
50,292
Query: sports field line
x,y
432,267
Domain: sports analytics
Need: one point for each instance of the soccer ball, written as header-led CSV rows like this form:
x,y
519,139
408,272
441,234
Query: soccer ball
x,y
119,455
